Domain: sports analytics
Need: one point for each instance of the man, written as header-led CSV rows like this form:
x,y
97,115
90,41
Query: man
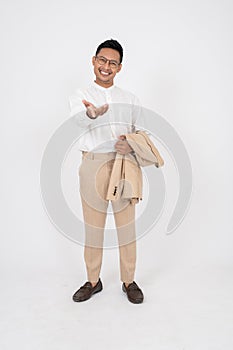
x,y
105,113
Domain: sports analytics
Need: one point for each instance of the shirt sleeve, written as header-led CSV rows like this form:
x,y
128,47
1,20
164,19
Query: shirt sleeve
x,y
139,122
78,110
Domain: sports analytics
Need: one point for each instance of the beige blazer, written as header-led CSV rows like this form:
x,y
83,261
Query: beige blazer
x,y
126,176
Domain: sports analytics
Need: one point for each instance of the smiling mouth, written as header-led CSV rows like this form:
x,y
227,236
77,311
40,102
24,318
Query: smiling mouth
x,y
105,74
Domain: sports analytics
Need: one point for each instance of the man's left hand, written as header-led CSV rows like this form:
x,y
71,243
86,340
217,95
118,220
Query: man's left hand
x,y
122,145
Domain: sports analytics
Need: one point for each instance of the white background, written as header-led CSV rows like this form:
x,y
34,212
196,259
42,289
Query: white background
x,y
178,61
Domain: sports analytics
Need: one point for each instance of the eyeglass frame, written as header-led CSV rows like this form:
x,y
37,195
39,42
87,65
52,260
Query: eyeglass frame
x,y
106,60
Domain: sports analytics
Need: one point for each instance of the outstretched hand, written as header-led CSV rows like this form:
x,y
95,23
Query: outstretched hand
x,y
122,145
94,112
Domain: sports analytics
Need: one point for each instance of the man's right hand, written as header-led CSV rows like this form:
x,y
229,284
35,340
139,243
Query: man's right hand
x,y
94,112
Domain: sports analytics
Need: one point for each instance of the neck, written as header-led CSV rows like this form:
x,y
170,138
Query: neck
x,y
105,85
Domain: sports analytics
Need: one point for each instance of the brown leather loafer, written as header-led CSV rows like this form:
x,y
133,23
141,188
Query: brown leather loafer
x,y
134,293
86,291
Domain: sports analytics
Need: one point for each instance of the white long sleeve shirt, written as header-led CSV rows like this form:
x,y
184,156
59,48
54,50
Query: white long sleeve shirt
x,y
101,134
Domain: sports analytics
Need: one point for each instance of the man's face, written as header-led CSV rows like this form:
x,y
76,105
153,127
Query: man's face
x,y
105,71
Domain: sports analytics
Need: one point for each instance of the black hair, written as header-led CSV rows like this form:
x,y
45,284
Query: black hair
x,y
111,44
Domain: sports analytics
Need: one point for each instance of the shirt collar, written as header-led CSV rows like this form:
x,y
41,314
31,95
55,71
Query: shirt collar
x,y
97,86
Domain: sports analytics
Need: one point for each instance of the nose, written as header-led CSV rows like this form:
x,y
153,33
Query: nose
x,y
107,64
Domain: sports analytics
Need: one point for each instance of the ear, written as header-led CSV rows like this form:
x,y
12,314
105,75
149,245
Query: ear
x,y
119,68
93,60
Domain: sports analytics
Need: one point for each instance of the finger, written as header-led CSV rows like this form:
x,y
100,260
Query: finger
x,y
120,149
87,104
118,144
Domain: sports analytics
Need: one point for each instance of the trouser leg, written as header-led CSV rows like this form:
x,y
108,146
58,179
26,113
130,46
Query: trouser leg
x,y
94,177
94,236
125,223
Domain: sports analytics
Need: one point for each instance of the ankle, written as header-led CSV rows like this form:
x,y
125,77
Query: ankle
x,y
127,284
94,284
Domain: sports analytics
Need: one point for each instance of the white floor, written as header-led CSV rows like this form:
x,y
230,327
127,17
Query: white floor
x,y
188,309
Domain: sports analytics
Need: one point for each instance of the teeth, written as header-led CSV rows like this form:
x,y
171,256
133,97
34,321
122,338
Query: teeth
x,y
104,73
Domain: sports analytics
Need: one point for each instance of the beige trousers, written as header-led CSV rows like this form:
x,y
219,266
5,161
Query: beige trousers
x,y
94,175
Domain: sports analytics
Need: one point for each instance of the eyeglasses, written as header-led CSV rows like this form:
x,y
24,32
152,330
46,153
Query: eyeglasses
x,y
102,61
